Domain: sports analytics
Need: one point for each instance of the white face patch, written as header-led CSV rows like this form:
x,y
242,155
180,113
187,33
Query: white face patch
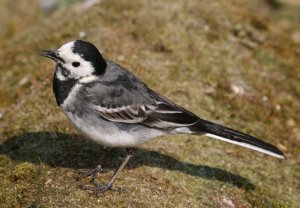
x,y
59,75
77,71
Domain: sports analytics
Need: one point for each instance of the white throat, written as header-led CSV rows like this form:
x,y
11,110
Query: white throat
x,y
59,74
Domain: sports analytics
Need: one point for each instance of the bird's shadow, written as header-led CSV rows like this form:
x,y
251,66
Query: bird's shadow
x,y
73,151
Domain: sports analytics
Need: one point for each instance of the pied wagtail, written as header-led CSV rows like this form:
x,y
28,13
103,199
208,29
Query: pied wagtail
x,y
112,107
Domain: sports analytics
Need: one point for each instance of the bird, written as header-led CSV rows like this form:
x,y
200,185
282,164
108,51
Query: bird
x,y
111,106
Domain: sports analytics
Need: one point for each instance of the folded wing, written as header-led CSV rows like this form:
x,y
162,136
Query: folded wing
x,y
158,114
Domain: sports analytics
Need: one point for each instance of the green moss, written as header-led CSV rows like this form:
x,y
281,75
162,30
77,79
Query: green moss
x,y
261,199
23,171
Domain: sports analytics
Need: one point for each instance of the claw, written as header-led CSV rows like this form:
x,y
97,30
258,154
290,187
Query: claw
x,y
99,189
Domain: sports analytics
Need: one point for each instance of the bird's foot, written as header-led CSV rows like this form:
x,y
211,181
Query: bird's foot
x,y
92,172
99,189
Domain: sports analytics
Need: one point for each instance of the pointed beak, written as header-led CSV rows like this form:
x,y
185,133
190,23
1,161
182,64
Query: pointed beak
x,y
52,54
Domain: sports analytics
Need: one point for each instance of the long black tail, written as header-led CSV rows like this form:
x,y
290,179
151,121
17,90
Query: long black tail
x,y
232,136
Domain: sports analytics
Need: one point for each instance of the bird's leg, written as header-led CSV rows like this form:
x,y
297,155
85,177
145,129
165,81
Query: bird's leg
x,y
98,169
93,172
101,188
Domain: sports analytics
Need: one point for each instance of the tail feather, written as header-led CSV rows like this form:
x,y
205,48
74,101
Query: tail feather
x,y
232,136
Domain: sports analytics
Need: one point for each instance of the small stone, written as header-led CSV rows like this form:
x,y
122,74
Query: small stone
x,y
209,90
278,107
282,147
227,202
206,28
296,37
238,90
167,62
23,81
264,98
121,57
48,181
291,123
82,34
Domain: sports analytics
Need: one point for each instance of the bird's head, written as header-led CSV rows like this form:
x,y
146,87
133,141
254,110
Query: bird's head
x,y
77,59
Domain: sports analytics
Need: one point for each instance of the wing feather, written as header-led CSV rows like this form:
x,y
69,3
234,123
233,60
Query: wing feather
x,y
159,115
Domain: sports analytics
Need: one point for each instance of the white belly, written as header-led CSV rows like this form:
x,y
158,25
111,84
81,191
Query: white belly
x,y
103,132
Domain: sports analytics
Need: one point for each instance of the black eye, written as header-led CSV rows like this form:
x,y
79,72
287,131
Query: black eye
x,y
76,64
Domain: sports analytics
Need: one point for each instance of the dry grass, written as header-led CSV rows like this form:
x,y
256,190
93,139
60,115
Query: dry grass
x,y
220,59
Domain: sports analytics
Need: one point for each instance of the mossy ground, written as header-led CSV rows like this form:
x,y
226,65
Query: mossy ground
x,y
234,62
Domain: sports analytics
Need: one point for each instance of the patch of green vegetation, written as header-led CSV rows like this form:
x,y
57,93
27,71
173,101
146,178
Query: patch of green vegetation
x,y
243,72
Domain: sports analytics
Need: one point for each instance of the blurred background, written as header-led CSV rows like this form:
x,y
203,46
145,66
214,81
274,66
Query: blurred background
x,y
235,62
